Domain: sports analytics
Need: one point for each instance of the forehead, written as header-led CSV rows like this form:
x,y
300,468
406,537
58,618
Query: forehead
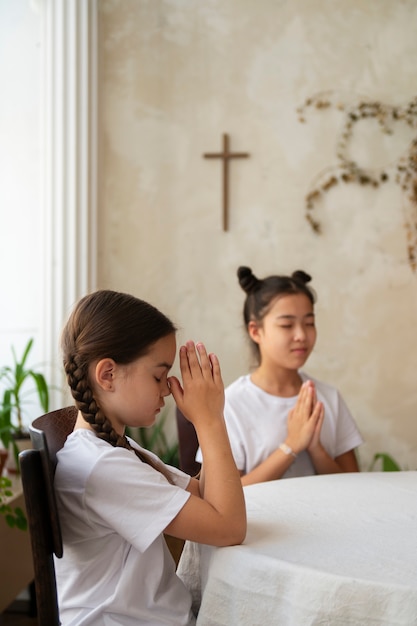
x,y
163,351
296,304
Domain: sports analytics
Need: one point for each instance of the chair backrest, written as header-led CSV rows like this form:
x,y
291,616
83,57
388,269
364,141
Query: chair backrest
x,y
41,528
187,444
37,466
55,426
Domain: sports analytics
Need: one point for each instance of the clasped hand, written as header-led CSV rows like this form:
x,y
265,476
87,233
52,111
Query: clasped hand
x,y
305,420
201,395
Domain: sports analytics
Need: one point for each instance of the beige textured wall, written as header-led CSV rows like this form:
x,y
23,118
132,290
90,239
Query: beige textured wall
x,y
175,75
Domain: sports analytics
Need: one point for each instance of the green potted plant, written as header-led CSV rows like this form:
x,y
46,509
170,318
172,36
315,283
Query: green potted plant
x,y
155,440
15,388
14,516
388,463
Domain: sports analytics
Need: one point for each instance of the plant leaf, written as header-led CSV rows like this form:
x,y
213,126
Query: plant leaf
x,y
42,388
10,520
388,463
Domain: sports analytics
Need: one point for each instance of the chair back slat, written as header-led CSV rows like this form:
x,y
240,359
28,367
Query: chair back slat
x,y
40,444
40,528
48,434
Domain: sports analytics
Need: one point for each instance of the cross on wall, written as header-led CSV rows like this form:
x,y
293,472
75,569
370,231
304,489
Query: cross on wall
x,y
226,155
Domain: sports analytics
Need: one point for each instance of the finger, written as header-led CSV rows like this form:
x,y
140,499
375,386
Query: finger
x,y
175,388
310,401
205,362
301,396
318,413
313,386
215,368
184,363
321,417
193,362
304,400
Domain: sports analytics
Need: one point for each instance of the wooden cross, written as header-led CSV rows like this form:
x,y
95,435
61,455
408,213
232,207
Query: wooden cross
x,y
226,156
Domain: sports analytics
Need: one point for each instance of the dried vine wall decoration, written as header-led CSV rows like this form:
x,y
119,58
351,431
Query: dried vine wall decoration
x,y
347,170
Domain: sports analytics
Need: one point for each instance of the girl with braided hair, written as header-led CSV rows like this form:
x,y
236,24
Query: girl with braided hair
x,y
282,422
115,499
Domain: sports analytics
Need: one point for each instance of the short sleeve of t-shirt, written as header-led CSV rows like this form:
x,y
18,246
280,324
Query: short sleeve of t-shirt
x,y
118,491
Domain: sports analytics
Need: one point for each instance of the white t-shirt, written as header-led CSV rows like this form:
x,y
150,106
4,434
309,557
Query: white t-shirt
x,y
257,424
113,508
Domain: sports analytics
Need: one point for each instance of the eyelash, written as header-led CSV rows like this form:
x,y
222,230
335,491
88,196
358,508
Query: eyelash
x,y
311,324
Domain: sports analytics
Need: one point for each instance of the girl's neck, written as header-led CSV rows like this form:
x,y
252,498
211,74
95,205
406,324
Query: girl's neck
x,y
81,423
283,383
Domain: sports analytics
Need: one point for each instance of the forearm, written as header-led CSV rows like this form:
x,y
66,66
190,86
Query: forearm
x,y
216,514
220,481
272,468
325,464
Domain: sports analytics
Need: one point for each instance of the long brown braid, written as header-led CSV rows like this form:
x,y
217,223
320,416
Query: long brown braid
x,y
108,324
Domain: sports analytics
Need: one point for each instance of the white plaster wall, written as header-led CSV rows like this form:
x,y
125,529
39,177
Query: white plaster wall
x,y
174,76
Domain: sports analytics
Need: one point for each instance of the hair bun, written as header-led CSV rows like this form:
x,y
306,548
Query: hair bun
x,y
301,276
247,280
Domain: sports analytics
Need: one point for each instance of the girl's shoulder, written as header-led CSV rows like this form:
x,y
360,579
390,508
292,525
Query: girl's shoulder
x,y
85,439
84,453
241,383
87,459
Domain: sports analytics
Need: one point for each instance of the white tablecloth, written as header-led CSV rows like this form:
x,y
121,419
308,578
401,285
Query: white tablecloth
x,y
336,550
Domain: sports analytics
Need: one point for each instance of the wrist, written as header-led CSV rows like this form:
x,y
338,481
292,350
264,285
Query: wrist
x,y
287,450
294,445
317,450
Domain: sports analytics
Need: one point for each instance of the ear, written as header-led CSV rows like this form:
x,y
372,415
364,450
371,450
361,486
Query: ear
x,y
253,331
104,374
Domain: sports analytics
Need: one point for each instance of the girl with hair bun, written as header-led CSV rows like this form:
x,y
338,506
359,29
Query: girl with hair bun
x,y
282,422
115,499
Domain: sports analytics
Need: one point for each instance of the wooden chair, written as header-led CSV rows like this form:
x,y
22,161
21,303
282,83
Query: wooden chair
x,y
187,445
55,428
37,466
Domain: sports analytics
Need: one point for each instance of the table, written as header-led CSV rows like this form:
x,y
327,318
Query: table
x,y
337,550
15,552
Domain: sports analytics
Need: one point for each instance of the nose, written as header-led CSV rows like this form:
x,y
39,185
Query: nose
x,y
165,391
299,332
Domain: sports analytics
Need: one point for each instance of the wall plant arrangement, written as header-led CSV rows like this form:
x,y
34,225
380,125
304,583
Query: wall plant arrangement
x,y
403,170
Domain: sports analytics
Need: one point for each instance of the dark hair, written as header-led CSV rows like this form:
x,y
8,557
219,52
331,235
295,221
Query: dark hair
x,y
107,324
261,293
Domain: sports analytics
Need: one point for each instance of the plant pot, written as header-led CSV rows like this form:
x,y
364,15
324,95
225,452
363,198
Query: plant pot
x,y
3,458
22,443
